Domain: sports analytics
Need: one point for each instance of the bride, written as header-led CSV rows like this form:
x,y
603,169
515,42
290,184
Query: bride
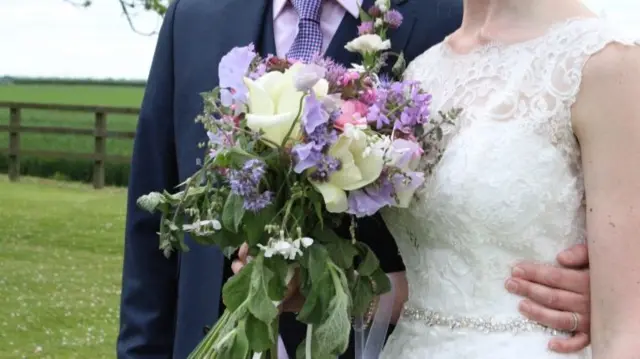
x,y
546,149
547,146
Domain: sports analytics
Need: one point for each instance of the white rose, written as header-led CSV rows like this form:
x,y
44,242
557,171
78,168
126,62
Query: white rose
x,y
383,5
368,43
360,167
274,102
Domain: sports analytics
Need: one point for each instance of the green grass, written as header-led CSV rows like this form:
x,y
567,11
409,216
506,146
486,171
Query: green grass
x,y
76,95
60,265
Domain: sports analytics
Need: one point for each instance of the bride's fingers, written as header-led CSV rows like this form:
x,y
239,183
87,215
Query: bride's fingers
x,y
555,319
549,297
243,252
570,345
236,266
573,280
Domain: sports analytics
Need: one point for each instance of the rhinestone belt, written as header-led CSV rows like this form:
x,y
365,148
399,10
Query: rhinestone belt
x,y
484,324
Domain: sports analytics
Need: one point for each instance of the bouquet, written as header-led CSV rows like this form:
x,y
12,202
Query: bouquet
x,y
294,150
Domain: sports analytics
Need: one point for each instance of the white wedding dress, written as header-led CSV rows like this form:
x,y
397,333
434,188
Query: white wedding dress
x,y
508,187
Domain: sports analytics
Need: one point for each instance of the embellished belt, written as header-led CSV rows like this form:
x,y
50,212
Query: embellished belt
x,y
484,324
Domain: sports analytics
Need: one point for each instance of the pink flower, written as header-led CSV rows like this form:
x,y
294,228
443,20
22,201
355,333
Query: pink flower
x,y
352,112
349,77
369,96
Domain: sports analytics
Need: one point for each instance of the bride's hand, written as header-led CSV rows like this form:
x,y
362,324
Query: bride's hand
x,y
557,296
293,299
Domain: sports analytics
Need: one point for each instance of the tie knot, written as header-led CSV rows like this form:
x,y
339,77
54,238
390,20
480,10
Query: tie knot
x,y
307,9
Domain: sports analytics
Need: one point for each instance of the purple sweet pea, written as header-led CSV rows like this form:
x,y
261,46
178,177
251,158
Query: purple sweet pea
x,y
313,115
305,156
369,200
232,69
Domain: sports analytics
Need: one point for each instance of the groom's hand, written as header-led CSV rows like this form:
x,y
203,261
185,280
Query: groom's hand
x,y
554,293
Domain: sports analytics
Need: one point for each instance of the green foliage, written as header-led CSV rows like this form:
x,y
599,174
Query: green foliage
x,y
77,170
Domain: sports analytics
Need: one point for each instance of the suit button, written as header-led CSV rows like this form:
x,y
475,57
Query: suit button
x,y
206,329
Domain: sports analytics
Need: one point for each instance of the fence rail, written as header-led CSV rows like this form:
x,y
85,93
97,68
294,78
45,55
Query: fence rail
x,y
99,132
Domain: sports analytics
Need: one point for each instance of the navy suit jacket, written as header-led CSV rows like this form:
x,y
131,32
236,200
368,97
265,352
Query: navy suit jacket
x,y
166,303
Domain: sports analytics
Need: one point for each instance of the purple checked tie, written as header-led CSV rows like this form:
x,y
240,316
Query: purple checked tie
x,y
308,42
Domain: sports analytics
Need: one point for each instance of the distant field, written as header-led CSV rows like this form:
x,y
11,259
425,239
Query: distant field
x,y
77,95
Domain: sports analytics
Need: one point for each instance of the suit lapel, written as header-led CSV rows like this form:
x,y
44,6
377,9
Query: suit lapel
x,y
347,31
239,22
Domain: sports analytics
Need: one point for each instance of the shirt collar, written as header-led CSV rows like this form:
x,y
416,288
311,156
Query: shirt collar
x,y
351,6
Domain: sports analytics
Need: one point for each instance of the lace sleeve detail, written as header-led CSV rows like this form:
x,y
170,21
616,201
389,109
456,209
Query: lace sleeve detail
x,y
562,60
576,47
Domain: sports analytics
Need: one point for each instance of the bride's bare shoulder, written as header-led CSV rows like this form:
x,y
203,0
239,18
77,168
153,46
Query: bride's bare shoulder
x,y
610,84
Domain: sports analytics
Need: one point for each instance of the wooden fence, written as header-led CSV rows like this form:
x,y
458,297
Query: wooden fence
x,y
99,133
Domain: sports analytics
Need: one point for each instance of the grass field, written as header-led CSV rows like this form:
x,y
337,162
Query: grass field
x,y
60,265
77,95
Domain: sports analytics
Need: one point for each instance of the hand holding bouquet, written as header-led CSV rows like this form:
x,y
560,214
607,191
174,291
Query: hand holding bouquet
x,y
295,149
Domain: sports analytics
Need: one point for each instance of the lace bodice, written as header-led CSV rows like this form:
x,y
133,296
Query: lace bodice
x,y
508,186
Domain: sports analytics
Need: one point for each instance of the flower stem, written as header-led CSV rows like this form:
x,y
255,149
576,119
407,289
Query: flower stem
x,y
273,352
307,346
295,121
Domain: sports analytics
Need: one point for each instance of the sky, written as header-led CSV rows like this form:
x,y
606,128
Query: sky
x,y
52,38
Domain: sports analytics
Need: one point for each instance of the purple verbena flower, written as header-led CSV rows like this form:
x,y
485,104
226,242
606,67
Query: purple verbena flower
x,y
246,184
322,137
232,69
325,167
258,201
393,18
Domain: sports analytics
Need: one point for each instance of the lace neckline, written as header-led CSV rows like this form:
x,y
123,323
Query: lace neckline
x,y
495,45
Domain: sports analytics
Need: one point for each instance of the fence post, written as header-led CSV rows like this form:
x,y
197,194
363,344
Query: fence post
x,y
100,149
14,144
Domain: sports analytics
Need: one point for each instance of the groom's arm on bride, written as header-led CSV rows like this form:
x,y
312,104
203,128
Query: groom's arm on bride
x,y
607,123
148,296
553,293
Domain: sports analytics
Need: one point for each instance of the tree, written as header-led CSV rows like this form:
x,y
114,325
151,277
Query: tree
x,y
130,7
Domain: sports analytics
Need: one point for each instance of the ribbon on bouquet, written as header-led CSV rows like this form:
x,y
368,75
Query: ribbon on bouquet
x,y
369,342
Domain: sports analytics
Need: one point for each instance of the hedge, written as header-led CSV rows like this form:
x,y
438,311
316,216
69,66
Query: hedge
x,y
77,170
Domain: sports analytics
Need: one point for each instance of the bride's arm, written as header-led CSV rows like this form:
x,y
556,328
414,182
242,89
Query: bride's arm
x,y
400,294
607,122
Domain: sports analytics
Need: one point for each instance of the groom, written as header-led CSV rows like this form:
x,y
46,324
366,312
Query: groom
x,y
168,304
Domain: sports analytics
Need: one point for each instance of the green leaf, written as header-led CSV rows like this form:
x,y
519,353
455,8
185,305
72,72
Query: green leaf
x,y
383,284
364,15
237,345
334,332
261,334
236,290
341,251
400,66
233,212
277,286
315,350
260,305
317,299
369,262
316,262
254,223
361,294
222,238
